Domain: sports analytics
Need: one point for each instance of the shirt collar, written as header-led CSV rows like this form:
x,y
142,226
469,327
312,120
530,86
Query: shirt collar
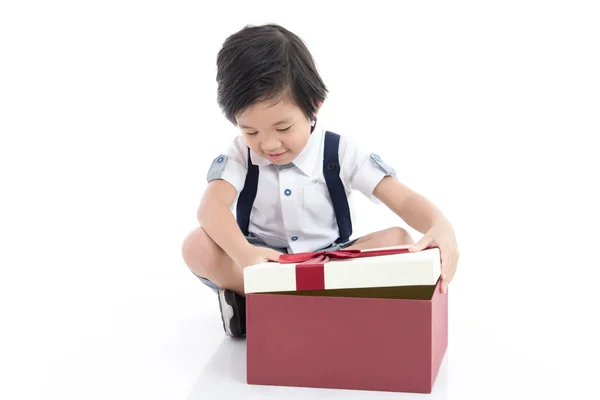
x,y
306,160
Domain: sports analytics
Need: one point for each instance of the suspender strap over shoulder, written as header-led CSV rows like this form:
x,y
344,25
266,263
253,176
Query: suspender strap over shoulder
x,y
247,196
331,171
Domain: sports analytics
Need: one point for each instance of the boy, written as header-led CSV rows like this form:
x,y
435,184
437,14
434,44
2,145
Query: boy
x,y
291,178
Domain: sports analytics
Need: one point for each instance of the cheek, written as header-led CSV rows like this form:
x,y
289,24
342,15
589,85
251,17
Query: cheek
x,y
251,142
301,142
295,145
298,142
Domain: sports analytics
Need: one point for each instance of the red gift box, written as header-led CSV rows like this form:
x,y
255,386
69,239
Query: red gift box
x,y
349,319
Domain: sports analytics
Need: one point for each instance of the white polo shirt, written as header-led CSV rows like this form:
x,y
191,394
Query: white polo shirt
x,y
292,208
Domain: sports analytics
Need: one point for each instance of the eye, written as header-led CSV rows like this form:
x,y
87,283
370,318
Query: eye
x,y
285,129
251,133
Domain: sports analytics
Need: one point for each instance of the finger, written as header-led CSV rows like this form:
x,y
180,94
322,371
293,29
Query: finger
x,y
274,256
452,269
445,267
421,244
449,274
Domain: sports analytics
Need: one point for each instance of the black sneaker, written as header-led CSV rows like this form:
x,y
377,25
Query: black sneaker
x,y
233,312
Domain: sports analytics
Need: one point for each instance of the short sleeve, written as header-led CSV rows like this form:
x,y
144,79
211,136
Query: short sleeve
x,y
363,170
231,166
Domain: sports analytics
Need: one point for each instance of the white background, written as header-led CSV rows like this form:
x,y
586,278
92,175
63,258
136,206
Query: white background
x,y
491,110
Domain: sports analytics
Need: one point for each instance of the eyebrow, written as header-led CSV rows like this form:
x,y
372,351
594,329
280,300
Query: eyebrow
x,y
283,121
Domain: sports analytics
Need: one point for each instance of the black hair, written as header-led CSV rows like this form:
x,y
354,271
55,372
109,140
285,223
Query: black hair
x,y
260,63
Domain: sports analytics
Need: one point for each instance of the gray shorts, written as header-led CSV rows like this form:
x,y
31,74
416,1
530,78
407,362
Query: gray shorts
x,y
258,242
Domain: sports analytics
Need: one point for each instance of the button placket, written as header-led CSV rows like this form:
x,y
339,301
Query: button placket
x,y
291,204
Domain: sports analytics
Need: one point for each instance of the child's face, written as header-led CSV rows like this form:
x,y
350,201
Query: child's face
x,y
277,132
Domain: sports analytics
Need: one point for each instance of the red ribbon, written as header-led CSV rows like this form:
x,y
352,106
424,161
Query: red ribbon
x,y
310,268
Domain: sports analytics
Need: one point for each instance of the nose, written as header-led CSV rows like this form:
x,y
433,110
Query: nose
x,y
270,145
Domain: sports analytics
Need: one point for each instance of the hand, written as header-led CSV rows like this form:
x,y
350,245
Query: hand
x,y
258,255
442,236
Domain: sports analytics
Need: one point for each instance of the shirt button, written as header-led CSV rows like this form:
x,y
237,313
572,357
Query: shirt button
x,y
287,192
294,238
220,160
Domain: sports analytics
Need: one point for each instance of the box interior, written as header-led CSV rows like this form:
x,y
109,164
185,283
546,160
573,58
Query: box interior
x,y
424,292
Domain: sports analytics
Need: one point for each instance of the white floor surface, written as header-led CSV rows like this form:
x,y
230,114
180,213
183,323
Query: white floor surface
x,y
489,109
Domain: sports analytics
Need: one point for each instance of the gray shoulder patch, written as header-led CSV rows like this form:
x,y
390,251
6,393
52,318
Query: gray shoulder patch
x,y
216,168
382,165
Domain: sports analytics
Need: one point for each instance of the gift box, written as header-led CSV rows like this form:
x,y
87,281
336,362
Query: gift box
x,y
348,319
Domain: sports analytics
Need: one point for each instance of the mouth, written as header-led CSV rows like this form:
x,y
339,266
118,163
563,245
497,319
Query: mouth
x,y
275,156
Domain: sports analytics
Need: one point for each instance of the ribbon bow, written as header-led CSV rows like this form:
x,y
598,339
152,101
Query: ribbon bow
x,y
320,257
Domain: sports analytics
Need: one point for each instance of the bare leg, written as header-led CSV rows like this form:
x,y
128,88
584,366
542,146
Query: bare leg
x,y
206,259
388,237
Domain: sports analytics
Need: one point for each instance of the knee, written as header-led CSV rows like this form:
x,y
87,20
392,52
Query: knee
x,y
199,252
398,236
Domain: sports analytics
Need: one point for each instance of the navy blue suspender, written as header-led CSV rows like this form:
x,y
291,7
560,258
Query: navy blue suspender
x,y
247,196
331,172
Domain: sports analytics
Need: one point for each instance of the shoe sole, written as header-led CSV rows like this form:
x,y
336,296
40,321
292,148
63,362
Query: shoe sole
x,y
226,312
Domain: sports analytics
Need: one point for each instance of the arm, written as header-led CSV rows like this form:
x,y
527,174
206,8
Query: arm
x,y
215,217
416,210
422,215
